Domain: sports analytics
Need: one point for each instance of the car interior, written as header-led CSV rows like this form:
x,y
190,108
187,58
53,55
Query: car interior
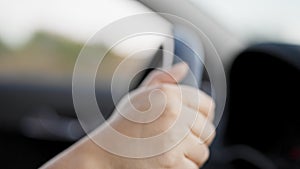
x,y
258,129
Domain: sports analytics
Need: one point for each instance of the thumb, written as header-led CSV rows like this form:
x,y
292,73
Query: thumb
x,y
173,75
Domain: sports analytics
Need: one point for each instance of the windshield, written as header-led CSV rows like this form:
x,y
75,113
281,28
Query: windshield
x,y
40,40
256,20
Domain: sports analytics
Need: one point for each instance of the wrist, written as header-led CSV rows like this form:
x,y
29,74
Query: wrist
x,y
84,154
94,156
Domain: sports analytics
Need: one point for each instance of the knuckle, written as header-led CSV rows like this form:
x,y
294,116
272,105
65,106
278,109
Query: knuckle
x,y
213,134
213,104
164,88
210,139
209,98
210,127
205,156
171,110
170,90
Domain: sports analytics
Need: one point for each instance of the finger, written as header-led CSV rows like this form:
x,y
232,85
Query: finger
x,y
195,150
173,75
191,97
198,100
203,128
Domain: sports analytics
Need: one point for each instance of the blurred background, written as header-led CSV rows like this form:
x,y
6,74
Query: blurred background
x,y
40,42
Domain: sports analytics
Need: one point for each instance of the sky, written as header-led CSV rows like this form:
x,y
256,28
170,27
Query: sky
x,y
77,19
80,19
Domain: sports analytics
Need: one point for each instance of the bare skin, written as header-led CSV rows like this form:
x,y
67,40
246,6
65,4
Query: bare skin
x,y
191,153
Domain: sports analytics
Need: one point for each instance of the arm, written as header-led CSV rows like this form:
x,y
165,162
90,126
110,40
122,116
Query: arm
x,y
192,152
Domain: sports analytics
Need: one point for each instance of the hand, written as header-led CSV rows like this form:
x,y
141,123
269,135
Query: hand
x,y
160,89
163,101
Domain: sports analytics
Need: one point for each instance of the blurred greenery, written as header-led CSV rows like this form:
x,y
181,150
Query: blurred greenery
x,y
56,45
45,55
50,58
3,47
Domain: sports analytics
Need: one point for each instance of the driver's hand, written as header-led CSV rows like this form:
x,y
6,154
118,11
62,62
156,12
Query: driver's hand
x,y
162,99
160,90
